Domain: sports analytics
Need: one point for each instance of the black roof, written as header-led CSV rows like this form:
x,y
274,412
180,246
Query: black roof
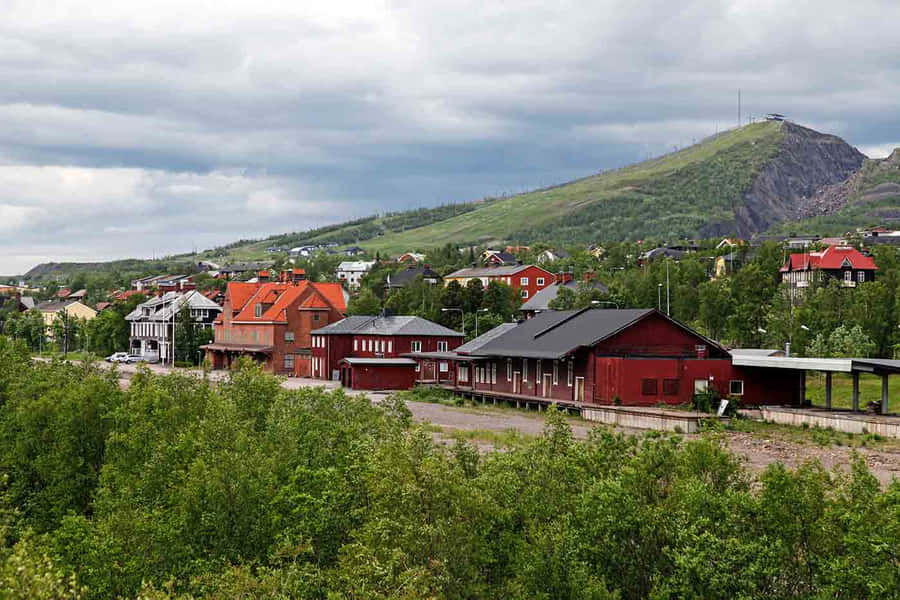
x,y
392,325
554,334
542,299
407,276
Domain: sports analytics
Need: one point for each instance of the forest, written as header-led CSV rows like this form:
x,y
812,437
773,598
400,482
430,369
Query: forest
x,y
177,487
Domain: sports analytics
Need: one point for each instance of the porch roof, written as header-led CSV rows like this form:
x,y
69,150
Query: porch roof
x,y
238,348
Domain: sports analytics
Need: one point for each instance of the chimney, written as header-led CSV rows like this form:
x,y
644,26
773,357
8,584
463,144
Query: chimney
x,y
263,276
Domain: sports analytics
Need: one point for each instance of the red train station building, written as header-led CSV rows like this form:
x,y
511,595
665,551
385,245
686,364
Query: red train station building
x,y
366,352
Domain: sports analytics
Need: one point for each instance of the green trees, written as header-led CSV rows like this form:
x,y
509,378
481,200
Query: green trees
x,y
178,487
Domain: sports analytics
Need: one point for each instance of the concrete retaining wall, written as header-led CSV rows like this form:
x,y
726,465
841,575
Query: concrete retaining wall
x,y
886,426
661,420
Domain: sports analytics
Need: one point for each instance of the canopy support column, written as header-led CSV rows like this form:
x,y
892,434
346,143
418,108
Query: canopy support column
x,y
884,394
828,390
855,391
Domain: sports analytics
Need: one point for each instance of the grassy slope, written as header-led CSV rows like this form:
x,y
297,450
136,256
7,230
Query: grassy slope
x,y
691,188
868,204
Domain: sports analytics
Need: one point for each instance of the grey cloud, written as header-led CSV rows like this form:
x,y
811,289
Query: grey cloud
x,y
358,107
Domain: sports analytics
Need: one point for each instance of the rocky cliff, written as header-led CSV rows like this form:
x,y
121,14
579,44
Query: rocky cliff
x,y
806,163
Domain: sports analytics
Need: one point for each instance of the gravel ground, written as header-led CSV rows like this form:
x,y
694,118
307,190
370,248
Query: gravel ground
x,y
757,450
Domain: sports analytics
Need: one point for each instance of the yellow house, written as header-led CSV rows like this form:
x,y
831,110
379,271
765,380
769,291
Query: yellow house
x,y
72,308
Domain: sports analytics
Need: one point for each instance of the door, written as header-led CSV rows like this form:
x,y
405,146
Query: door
x,y
429,371
579,389
547,386
517,382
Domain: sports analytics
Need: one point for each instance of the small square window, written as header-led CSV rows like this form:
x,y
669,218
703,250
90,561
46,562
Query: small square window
x,y
315,316
670,387
524,293
540,281
444,366
648,387
289,336
442,346
736,387
523,280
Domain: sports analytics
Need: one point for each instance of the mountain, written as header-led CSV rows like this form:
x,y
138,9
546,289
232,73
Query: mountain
x,y
742,181
871,196
755,178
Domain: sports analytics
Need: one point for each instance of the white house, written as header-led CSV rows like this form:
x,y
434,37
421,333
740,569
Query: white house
x,y
352,271
153,322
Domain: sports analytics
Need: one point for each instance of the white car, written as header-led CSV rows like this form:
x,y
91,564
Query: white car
x,y
120,357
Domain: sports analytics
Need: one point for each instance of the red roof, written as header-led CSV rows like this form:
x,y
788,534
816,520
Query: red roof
x,y
63,293
831,258
277,297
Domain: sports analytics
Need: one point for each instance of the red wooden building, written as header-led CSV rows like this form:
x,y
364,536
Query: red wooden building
x,y
528,280
365,352
596,356
272,322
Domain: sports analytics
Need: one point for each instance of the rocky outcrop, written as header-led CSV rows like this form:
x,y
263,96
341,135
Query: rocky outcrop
x,y
806,162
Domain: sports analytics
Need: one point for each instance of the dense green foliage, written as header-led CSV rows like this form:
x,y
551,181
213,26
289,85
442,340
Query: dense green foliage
x,y
181,488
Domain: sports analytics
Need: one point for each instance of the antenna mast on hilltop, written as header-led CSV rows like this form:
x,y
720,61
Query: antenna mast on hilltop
x,y
739,107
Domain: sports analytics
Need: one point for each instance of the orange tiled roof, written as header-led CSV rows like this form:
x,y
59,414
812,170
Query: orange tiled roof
x,y
315,301
334,294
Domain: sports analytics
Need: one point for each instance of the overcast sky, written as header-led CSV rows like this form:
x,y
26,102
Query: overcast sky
x,y
151,128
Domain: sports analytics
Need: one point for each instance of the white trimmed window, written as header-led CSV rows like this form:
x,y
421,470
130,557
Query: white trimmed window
x,y
570,374
538,371
861,276
523,281
508,369
289,336
555,372
390,345
442,346
355,345
524,293
289,361
416,346
493,372
444,366
524,369
462,373
540,281
736,387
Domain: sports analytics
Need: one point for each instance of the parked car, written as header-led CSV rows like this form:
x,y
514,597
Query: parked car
x,y
120,357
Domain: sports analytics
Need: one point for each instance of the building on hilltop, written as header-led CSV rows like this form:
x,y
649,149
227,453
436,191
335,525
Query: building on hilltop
x,y
271,322
844,263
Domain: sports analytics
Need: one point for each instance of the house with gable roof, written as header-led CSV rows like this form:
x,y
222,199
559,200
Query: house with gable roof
x,y
844,263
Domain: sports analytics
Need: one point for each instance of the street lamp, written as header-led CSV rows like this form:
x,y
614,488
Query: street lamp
x,y
616,304
659,297
476,319
804,328
462,316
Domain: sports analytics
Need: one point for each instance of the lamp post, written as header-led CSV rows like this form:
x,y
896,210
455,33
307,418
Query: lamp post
x,y
462,317
476,319
659,297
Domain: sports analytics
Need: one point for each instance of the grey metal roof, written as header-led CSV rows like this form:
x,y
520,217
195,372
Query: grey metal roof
x,y
163,307
406,276
553,334
756,352
501,270
402,362
473,345
394,325
542,299
53,306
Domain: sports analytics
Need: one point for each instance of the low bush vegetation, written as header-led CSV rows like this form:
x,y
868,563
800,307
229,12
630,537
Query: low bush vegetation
x,y
181,488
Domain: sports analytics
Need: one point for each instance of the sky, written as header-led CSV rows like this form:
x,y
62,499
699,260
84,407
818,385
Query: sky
x,y
141,129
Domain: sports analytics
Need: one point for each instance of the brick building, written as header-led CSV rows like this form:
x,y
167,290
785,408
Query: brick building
x,y
272,322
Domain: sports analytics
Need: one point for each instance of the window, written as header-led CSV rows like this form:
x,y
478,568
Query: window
x,y
524,369
736,387
555,372
257,310
418,367
493,372
540,281
289,361
289,336
670,387
442,346
315,316
416,346
648,387
848,275
570,374
508,369
390,345
524,293
523,281
444,366
700,386
860,276
462,373
355,345
538,371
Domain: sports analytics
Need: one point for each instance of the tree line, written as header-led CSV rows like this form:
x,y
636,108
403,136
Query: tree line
x,y
176,488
